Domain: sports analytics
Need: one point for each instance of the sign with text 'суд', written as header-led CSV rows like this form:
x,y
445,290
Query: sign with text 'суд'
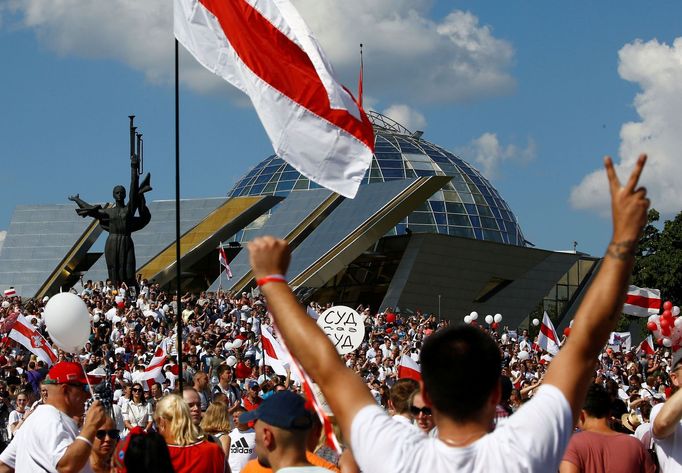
x,y
344,327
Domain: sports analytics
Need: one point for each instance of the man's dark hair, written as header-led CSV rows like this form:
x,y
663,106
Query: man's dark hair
x,y
401,393
460,368
598,402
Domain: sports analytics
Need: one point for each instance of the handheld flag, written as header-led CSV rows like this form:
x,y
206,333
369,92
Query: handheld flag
x,y
548,339
26,334
408,368
154,370
222,259
647,346
266,50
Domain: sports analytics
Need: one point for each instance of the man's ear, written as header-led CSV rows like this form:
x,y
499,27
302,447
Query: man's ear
x,y
269,439
581,418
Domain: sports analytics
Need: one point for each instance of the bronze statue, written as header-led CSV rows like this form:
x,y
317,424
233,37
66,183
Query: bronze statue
x,y
121,220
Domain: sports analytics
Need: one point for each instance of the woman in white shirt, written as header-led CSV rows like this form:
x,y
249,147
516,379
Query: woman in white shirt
x,y
137,412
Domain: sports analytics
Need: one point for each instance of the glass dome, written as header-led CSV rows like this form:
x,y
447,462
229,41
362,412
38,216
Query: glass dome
x,y
468,206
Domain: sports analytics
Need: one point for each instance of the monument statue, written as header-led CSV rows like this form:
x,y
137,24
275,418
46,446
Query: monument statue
x,y
122,219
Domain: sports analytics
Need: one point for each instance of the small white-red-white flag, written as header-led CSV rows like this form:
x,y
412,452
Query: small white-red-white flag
x,y
267,51
11,292
642,302
26,334
222,258
275,356
548,338
154,370
647,346
408,368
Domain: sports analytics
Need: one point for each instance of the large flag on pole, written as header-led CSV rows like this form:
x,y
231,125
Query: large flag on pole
x,y
26,334
222,258
642,302
265,49
548,338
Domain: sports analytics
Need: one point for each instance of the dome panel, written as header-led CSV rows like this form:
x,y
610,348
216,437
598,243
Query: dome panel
x,y
468,206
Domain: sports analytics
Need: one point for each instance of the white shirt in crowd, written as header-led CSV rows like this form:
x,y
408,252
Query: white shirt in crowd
x,y
382,445
669,449
41,442
242,446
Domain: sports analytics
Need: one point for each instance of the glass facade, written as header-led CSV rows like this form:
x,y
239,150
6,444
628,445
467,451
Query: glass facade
x,y
468,206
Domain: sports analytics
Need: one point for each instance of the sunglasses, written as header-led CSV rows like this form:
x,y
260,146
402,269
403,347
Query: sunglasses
x,y
136,390
113,434
420,410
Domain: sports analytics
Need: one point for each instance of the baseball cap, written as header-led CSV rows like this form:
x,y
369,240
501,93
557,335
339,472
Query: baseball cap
x,y
283,409
66,372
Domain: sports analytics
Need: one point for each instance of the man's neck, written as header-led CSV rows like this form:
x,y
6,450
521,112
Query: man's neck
x,y
601,426
461,434
288,458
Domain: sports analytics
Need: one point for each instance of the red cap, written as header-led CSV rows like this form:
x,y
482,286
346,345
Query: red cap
x,y
66,372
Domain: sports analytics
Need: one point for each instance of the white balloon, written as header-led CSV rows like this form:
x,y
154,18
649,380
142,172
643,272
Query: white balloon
x,y
497,318
473,315
676,311
536,322
667,342
504,338
678,322
231,361
228,346
237,343
523,355
489,319
95,318
467,319
67,321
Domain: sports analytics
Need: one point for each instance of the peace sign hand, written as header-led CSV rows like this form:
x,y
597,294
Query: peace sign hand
x,y
629,205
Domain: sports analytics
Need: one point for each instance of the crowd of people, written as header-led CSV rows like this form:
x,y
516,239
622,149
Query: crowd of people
x,y
488,399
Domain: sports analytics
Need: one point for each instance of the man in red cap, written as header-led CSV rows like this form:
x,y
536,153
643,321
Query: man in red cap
x,y
49,439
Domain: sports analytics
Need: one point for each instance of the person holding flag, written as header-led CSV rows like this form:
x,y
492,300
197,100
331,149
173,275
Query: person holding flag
x,y
464,413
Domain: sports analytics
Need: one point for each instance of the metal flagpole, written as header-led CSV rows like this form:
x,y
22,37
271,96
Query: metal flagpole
x,y
177,218
220,268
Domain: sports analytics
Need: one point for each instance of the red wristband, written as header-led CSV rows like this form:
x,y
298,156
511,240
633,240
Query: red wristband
x,y
271,278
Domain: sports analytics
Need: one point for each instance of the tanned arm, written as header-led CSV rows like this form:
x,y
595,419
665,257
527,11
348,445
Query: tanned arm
x,y
668,418
571,369
345,392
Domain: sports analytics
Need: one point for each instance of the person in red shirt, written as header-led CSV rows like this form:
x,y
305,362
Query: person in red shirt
x,y
189,451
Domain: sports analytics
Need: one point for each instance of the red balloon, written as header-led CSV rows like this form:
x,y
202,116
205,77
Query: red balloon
x,y
667,305
666,331
121,304
494,325
390,318
659,341
567,331
652,326
665,323
389,329
667,314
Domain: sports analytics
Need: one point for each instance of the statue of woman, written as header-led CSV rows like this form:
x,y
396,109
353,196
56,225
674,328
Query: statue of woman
x,y
120,221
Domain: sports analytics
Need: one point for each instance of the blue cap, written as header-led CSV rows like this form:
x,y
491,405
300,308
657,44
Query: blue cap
x,y
283,409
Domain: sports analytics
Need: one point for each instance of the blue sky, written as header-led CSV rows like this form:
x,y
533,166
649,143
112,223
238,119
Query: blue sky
x,y
531,93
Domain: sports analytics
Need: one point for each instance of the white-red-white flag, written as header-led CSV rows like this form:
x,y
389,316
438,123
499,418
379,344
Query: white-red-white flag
x,y
408,368
642,302
26,334
267,51
275,356
222,258
154,370
647,346
548,338
11,292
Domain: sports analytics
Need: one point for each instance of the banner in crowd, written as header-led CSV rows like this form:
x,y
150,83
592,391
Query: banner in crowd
x,y
408,368
642,302
275,356
26,334
266,50
620,341
548,338
344,327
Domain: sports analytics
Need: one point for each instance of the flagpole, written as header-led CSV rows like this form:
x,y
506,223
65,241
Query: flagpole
x,y
220,269
177,218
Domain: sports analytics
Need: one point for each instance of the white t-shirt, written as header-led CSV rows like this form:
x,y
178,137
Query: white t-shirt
x,y
41,442
531,440
669,449
242,445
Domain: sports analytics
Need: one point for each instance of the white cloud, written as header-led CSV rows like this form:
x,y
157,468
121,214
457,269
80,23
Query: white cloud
x,y
406,116
407,54
3,234
489,154
657,69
